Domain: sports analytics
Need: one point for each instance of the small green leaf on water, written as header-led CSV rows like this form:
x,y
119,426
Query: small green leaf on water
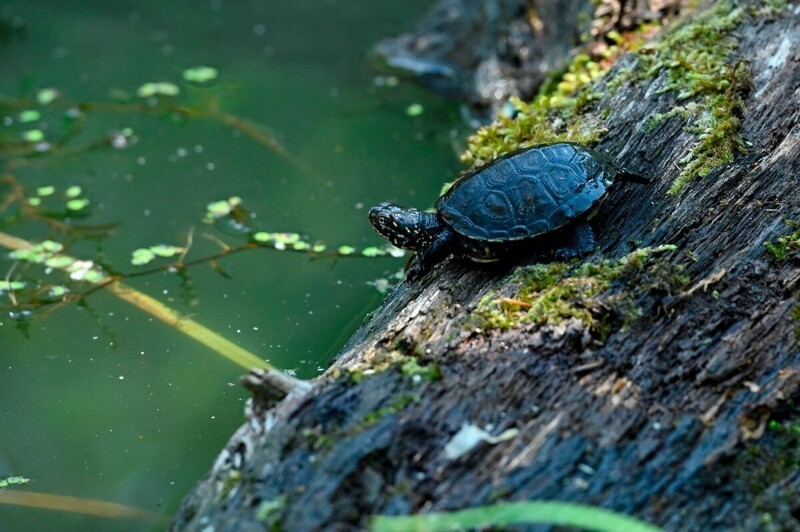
x,y
33,135
77,204
200,74
47,96
73,191
221,208
163,250
58,262
34,202
415,109
30,255
261,236
45,191
142,256
301,246
93,276
10,481
163,88
58,291
346,250
11,285
51,246
318,248
29,115
373,251
286,238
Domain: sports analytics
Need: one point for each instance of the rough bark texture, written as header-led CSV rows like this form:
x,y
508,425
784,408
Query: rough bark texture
x,y
658,417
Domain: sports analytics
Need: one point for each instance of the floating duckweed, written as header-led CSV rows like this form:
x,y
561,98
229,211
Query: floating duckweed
x,y
29,115
58,291
415,109
84,270
301,246
373,251
37,253
73,192
261,236
318,248
47,96
77,204
34,202
159,88
142,256
46,252
33,135
51,246
45,191
285,238
218,209
200,74
58,262
346,250
10,481
164,250
5,286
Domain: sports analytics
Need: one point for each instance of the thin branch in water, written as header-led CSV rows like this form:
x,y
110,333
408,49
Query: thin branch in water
x,y
79,505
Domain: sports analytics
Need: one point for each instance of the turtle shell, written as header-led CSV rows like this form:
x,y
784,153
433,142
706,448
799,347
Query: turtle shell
x,y
527,193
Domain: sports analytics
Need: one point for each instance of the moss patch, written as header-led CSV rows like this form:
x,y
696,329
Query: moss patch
x,y
557,113
695,56
548,294
785,246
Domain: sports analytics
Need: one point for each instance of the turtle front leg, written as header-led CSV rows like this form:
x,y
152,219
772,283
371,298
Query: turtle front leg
x,y
580,242
425,260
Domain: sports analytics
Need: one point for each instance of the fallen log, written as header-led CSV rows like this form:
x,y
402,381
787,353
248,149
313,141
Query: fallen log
x,y
659,377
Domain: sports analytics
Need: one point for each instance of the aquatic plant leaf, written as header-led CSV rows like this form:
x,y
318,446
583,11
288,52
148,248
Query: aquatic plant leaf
x,y
47,96
200,74
5,286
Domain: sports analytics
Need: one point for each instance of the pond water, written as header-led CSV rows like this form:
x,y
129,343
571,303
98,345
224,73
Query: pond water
x,y
103,401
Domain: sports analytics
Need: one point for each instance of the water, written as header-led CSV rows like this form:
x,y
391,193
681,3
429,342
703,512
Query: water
x,y
105,402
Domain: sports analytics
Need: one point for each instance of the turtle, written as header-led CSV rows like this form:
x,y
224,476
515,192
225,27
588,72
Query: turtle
x,y
537,197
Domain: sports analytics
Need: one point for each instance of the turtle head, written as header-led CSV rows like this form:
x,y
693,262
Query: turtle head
x,y
403,227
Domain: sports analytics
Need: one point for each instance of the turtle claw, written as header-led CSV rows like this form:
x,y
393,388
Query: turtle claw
x,y
579,244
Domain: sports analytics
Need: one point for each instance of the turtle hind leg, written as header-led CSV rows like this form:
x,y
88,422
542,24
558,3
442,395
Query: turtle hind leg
x,y
626,175
579,242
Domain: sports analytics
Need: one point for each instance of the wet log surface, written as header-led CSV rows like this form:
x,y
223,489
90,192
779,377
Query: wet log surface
x,y
664,416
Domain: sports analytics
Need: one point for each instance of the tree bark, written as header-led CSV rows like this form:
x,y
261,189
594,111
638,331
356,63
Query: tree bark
x,y
674,410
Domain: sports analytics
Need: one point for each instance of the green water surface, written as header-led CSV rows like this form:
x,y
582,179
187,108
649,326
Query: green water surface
x,y
103,401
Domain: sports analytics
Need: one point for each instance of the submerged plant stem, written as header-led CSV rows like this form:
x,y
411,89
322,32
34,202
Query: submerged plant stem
x,y
155,308
79,505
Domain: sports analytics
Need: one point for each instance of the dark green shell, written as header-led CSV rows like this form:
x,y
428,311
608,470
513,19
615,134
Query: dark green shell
x,y
527,193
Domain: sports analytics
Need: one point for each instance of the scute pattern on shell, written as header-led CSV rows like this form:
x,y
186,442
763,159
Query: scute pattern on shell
x,y
527,193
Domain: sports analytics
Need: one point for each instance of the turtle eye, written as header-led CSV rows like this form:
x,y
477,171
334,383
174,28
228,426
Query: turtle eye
x,y
382,220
